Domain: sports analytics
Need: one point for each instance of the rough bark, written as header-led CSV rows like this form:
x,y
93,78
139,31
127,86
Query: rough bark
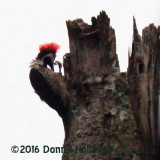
x,y
98,107
99,113
144,81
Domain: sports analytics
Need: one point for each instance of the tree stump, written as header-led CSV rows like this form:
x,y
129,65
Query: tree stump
x,y
95,100
99,115
144,80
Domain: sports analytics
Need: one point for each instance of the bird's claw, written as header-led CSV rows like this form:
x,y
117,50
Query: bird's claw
x,y
59,65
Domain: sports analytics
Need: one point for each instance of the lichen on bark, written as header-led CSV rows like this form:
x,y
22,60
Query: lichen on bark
x,y
101,107
99,111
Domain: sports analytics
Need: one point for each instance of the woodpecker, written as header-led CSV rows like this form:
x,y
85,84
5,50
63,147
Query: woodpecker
x,y
46,56
49,85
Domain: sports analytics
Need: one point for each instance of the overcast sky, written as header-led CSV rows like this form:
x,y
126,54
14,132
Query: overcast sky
x,y
24,25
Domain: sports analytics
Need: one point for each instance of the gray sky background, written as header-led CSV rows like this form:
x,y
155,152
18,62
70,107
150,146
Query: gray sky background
x,y
24,25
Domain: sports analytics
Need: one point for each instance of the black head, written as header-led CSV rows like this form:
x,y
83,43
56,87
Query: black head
x,y
47,57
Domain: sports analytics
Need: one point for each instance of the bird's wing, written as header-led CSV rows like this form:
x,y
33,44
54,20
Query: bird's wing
x,y
49,86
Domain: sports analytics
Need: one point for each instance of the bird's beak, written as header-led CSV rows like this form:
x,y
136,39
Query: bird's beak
x,y
48,60
51,65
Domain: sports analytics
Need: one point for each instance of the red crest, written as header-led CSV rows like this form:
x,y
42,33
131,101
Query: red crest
x,y
53,47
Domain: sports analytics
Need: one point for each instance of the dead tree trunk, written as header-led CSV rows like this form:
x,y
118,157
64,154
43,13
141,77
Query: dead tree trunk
x,y
92,97
144,80
99,113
